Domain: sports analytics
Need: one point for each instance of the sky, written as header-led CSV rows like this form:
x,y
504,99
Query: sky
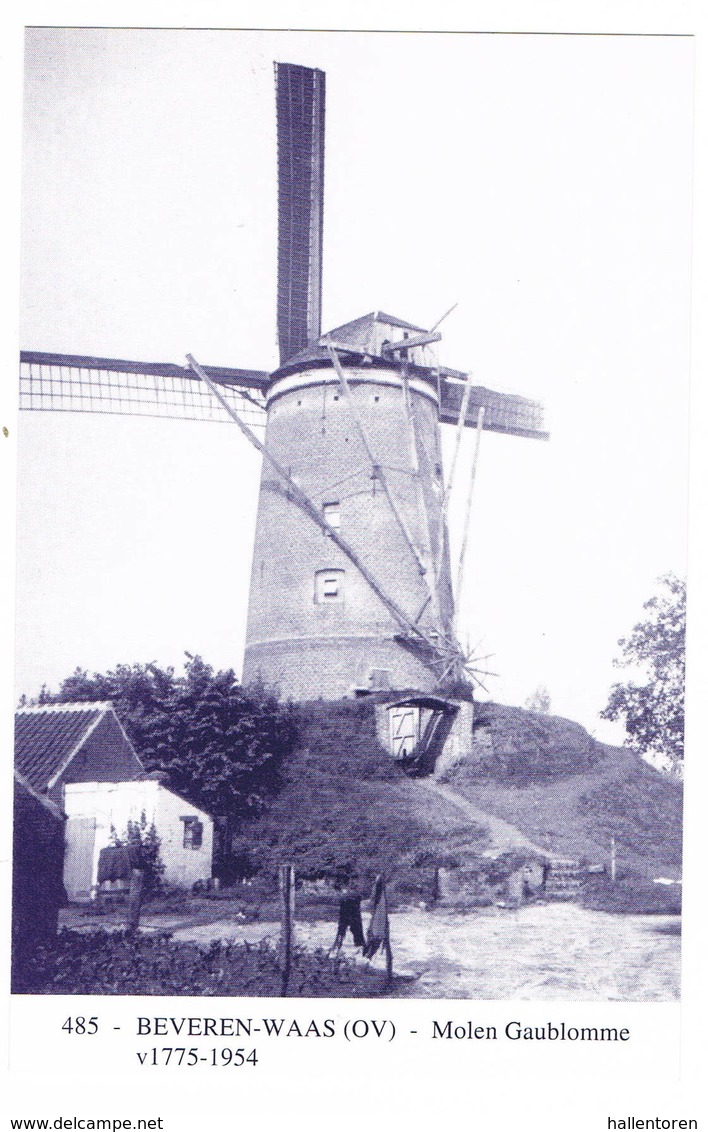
x,y
542,183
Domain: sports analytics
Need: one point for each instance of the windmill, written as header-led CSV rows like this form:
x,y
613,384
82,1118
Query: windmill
x,y
351,585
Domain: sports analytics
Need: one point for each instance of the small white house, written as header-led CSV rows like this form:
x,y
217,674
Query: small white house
x,y
94,810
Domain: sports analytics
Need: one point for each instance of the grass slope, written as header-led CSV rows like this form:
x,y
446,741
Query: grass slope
x,y
570,794
345,807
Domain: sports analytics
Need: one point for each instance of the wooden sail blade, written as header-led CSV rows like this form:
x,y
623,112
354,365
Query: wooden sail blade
x,y
503,412
300,100
80,384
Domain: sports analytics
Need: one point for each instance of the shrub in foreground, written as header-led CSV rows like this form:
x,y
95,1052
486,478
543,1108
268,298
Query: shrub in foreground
x,y
632,893
103,962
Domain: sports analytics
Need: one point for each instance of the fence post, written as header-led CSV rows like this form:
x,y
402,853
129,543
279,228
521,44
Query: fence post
x,y
135,899
287,898
389,958
613,859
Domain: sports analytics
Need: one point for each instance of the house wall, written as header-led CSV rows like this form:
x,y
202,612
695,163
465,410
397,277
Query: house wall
x,y
37,889
310,648
106,756
114,804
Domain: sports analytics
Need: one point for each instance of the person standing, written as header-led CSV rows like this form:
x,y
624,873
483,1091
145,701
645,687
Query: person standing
x,y
349,918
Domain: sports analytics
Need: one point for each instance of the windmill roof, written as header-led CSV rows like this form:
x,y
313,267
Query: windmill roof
x,y
47,737
357,334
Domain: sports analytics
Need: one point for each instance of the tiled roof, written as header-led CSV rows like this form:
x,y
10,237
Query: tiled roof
x,y
46,736
22,784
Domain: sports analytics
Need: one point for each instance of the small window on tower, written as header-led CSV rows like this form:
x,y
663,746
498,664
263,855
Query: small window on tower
x,y
331,514
329,586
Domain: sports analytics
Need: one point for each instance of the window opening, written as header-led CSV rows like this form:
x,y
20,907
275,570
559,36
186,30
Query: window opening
x,y
193,832
331,514
329,586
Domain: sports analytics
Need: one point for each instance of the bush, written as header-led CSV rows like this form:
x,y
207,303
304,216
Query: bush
x,y
120,963
347,810
143,838
640,808
632,893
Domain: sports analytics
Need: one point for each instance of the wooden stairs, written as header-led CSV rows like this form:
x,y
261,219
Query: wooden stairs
x,y
564,879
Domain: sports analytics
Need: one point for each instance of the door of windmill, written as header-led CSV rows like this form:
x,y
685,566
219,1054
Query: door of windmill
x,y
404,725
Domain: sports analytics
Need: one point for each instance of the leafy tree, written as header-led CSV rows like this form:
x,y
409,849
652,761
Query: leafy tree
x,y
219,744
143,836
653,710
540,700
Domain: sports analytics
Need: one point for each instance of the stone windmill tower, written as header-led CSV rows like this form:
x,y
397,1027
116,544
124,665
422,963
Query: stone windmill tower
x,y
354,416
351,584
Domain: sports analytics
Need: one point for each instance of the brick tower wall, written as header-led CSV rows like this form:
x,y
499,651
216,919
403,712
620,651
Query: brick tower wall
x,y
312,636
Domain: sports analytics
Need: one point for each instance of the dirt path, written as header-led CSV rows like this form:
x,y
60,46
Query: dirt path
x,y
503,835
536,953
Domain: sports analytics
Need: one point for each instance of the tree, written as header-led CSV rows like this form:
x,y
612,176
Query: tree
x,y
653,710
219,744
540,700
143,837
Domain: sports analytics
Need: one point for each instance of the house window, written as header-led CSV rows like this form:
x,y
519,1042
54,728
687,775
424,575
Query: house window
x,y
329,586
331,514
193,831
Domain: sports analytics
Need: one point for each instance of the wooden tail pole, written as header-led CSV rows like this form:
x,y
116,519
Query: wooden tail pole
x,y
453,466
468,509
303,501
287,899
464,404
380,475
423,514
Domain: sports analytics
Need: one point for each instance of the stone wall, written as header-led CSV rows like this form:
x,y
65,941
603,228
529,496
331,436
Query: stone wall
x,y
310,647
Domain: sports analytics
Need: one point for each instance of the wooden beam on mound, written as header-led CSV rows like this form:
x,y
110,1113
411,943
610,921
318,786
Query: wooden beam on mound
x,y
303,501
423,513
468,508
445,503
378,469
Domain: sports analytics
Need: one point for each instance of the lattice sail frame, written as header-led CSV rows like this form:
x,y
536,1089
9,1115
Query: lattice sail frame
x,y
78,384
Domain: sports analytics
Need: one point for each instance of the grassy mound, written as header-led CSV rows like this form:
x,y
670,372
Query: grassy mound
x,y
347,809
571,794
526,746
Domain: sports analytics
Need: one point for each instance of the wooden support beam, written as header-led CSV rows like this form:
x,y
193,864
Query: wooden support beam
x,y
135,899
416,340
380,474
423,513
458,437
468,508
451,478
343,348
302,500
